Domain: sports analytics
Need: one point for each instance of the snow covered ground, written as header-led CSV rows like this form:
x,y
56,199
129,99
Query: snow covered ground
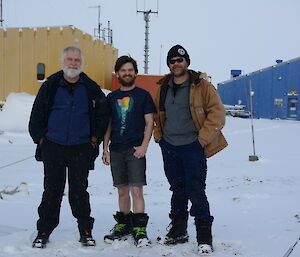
x,y
255,204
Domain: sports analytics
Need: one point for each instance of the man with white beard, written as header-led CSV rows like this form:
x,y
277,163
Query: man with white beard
x,y
68,121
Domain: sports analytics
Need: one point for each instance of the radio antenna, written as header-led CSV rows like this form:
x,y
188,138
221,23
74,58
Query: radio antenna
x,y
146,14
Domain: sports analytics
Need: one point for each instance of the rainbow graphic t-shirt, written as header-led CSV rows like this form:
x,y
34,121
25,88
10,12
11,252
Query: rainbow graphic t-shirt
x,y
128,109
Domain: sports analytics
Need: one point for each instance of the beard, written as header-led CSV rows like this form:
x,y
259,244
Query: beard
x,y
126,83
178,73
72,73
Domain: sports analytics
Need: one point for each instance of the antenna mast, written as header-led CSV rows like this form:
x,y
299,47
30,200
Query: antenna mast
x,y
103,33
147,22
97,31
1,12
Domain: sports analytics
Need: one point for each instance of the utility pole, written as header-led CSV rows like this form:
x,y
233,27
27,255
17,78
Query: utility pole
x,y
253,157
146,48
1,14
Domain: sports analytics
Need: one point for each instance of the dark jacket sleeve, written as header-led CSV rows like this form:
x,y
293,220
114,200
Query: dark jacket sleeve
x,y
38,116
102,115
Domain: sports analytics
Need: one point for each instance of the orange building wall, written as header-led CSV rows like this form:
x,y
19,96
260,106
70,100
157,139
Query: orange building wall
x,y
147,82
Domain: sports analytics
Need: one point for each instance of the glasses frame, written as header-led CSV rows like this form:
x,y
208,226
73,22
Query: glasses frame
x,y
178,60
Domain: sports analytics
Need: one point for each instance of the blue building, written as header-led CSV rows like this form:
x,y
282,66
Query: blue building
x,y
274,90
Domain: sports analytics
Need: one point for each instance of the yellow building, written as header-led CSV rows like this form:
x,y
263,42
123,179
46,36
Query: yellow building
x,y
27,52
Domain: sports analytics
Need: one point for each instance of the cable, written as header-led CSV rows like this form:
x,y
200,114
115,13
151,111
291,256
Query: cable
x,y
289,251
13,163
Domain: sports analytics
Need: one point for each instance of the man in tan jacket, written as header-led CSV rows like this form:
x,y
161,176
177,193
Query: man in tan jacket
x,y
188,123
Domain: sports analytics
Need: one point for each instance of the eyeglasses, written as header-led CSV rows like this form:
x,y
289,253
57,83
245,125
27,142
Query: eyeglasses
x,y
179,60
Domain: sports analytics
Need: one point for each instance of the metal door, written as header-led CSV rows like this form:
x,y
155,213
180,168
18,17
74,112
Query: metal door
x,y
292,108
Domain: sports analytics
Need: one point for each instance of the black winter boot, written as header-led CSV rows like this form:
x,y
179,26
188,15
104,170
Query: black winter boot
x,y
139,233
121,229
204,236
41,240
86,238
178,230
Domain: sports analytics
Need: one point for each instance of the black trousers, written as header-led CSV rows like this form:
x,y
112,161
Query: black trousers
x,y
57,160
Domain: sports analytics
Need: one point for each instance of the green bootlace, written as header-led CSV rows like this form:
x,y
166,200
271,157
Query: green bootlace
x,y
118,227
139,231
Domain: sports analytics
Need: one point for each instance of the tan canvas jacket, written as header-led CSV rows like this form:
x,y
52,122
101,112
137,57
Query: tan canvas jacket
x,y
207,111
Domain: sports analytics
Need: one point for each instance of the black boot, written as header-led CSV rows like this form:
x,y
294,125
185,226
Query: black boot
x,y
139,233
204,236
86,238
41,240
178,230
121,229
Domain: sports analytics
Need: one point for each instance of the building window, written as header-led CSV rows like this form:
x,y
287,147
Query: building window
x,y
40,71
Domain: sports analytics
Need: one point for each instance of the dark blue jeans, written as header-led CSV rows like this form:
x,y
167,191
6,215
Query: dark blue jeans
x,y
185,168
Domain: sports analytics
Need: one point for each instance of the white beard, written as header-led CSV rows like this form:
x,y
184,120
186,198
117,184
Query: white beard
x,y
71,73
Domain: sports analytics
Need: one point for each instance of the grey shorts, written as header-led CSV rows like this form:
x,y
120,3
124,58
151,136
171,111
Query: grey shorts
x,y
126,169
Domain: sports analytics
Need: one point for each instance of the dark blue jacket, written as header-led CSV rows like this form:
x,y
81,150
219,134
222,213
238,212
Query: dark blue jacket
x,y
97,107
69,121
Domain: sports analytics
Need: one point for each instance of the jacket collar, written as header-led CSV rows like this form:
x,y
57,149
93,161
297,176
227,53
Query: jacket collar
x,y
194,76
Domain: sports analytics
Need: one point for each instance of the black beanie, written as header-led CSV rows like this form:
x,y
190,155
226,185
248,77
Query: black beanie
x,y
178,51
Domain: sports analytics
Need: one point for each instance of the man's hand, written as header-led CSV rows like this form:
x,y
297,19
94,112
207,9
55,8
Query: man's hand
x,y
94,141
106,158
140,151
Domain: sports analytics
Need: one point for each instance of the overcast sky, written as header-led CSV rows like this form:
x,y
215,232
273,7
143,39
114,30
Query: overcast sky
x,y
219,35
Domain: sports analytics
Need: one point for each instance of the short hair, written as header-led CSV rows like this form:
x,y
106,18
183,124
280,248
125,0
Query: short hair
x,y
71,48
125,59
